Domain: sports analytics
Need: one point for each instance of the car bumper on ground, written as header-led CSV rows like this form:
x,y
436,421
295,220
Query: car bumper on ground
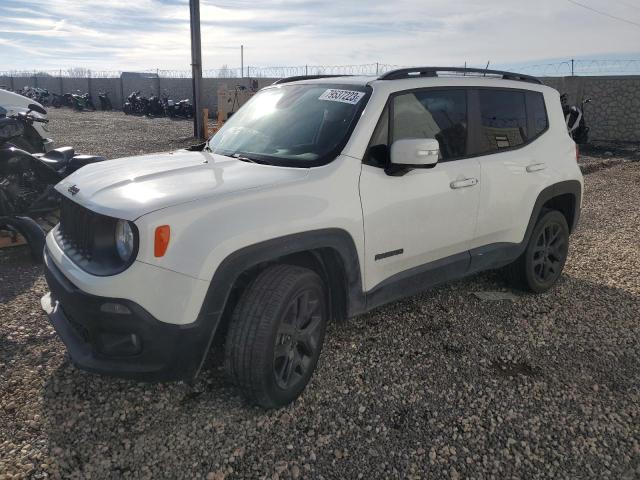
x,y
120,338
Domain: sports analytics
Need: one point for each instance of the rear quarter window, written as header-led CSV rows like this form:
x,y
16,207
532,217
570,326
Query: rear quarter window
x,y
538,112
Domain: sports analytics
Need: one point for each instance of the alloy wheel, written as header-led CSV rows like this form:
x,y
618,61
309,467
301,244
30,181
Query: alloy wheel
x,y
549,253
298,338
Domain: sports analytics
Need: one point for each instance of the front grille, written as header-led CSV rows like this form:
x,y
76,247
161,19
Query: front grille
x,y
77,228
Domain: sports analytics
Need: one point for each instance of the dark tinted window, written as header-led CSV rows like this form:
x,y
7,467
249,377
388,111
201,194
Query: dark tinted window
x,y
503,119
378,154
433,114
538,112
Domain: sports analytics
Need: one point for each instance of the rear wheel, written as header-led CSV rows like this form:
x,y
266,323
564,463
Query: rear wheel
x,y
276,335
540,266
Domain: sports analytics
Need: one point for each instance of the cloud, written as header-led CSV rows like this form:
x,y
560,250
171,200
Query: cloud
x,y
141,34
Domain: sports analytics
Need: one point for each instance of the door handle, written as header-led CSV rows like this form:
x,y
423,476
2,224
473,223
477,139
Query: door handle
x,y
536,167
467,182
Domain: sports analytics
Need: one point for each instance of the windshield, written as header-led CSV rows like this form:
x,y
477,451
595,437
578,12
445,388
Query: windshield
x,y
293,125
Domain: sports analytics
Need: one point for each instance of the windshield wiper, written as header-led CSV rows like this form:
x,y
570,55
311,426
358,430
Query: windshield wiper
x,y
245,158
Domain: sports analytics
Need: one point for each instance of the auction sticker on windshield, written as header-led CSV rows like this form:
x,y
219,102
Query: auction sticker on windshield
x,y
344,96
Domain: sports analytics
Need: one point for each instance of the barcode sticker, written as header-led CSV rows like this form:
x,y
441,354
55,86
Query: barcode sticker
x,y
344,96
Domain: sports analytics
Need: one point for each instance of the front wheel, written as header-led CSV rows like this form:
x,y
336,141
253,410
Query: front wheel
x,y
540,266
276,335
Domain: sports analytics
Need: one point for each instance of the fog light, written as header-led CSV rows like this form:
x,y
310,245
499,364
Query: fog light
x,y
115,308
120,344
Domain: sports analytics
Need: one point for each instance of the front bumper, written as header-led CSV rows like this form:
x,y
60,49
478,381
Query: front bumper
x,y
120,338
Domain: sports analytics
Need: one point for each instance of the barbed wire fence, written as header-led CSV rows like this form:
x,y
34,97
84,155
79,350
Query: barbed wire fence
x,y
584,67
224,72
565,68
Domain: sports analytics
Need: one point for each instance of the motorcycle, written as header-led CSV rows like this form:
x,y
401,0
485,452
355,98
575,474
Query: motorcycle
x,y
40,95
105,102
83,101
575,119
27,194
183,109
136,104
155,107
58,101
78,101
18,130
64,100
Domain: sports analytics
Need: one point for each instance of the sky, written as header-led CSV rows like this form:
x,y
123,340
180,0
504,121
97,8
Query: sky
x,y
150,34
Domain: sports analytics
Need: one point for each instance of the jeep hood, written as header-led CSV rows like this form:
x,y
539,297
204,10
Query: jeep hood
x,y
130,187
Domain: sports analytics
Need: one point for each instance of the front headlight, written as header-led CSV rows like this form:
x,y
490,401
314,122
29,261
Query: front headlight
x,y
125,240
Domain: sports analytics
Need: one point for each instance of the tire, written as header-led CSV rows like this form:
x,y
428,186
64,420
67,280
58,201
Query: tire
x,y
32,233
540,266
276,334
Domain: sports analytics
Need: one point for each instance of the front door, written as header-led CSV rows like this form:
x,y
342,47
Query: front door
x,y
427,217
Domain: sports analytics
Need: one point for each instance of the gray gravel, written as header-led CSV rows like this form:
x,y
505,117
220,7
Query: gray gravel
x,y
441,385
114,134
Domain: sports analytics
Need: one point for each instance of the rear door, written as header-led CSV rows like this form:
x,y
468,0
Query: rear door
x,y
514,164
425,215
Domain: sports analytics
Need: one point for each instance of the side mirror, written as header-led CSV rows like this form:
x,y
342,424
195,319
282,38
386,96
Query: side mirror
x,y
36,108
415,152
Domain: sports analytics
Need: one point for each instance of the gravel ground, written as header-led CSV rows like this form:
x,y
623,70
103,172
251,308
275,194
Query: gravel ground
x,y
114,134
441,385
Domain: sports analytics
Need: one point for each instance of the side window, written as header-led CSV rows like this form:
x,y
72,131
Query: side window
x,y
538,112
503,119
439,114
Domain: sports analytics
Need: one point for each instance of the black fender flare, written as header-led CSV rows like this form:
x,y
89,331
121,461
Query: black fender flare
x,y
571,187
502,254
251,256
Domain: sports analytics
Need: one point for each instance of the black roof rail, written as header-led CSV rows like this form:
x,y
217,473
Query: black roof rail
x,y
305,77
433,72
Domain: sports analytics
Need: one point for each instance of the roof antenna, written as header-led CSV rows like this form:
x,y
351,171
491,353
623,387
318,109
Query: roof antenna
x,y
487,68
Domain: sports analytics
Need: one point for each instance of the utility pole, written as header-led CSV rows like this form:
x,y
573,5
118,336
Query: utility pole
x,y
196,68
241,61
572,67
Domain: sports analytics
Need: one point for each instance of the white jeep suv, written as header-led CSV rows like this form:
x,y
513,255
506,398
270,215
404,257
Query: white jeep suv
x,y
320,199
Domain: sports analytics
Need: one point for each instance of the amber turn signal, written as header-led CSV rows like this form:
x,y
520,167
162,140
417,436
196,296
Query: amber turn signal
x,y
163,234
